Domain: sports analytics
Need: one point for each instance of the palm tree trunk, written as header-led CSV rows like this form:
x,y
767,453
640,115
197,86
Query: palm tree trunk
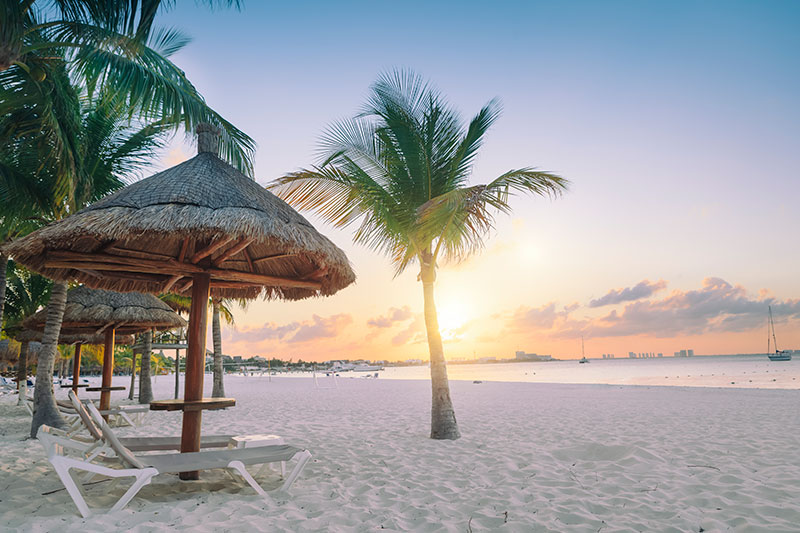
x,y
3,267
443,418
22,373
44,403
145,387
133,372
219,386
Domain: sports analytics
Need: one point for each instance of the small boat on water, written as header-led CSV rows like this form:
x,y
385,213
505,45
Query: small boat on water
x,y
779,355
583,355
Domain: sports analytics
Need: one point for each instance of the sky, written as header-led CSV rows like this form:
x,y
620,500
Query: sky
x,y
677,124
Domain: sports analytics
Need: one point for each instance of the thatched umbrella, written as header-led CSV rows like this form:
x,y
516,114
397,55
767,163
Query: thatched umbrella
x,y
200,228
92,312
27,336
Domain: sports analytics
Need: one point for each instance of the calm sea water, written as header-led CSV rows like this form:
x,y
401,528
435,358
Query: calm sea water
x,y
713,371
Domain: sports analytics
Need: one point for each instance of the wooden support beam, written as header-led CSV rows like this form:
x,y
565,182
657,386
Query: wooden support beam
x,y
195,364
317,274
250,266
108,369
184,250
170,282
262,279
140,254
220,284
271,258
233,250
210,249
76,367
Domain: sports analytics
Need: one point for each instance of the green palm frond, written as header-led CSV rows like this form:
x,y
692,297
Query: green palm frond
x,y
26,293
400,172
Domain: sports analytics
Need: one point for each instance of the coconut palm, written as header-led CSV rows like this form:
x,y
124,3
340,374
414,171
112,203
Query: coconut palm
x,y
110,45
27,292
401,170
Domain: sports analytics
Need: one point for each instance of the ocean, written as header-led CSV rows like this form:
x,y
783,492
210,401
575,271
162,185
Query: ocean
x,y
700,371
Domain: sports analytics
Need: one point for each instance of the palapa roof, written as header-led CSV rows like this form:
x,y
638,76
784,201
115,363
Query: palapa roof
x,y
32,335
91,311
202,215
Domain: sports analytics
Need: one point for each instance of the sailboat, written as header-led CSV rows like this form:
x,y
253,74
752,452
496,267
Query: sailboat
x,y
779,355
583,356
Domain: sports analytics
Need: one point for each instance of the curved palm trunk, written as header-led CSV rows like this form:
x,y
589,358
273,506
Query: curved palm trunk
x,y
443,418
44,403
145,387
22,373
133,373
3,267
219,386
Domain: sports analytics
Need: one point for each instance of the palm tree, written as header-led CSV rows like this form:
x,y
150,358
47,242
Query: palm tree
x,y
26,294
401,170
219,308
115,46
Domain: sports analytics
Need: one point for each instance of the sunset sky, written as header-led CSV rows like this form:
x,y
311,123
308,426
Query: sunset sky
x,y
678,125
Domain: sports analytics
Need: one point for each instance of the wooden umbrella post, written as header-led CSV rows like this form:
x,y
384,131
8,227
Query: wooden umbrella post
x,y
76,367
195,363
108,369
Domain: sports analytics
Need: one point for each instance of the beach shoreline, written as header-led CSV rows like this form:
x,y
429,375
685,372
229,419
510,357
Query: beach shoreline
x,y
549,457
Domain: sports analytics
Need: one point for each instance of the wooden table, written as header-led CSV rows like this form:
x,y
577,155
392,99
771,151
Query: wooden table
x,y
104,389
192,405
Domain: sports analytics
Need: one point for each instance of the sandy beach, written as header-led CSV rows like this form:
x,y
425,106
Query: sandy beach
x,y
533,457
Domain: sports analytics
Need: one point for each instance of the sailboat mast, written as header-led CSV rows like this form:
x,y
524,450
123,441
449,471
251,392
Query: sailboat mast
x,y
772,325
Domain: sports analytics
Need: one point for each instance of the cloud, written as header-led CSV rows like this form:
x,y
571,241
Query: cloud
x,y
321,327
394,315
413,334
316,328
643,289
716,307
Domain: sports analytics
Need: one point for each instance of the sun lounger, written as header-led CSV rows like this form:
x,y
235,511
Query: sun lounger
x,y
144,467
141,444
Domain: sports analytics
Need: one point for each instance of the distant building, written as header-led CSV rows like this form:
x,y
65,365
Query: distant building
x,y
632,355
690,353
522,356
660,354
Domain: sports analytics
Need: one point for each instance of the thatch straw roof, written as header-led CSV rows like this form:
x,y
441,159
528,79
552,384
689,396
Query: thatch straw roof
x,y
31,335
92,310
202,215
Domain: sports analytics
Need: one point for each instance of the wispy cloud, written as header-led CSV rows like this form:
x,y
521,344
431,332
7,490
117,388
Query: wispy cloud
x,y
716,307
643,289
395,314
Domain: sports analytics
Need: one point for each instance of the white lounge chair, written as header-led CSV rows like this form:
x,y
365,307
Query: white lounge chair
x,y
138,444
144,467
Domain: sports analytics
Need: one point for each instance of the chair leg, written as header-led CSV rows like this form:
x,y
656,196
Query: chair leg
x,y
303,458
143,478
239,467
72,488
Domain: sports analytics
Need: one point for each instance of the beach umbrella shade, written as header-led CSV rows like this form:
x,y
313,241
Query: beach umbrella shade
x,y
27,336
89,313
200,228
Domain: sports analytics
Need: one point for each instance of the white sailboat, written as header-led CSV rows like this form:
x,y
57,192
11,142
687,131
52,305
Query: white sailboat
x,y
583,355
779,355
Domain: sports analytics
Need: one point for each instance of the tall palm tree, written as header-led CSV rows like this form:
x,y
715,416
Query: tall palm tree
x,y
27,292
401,170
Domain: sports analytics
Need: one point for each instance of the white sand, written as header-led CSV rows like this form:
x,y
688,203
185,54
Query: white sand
x,y
533,457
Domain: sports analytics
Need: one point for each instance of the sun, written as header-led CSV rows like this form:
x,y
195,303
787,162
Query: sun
x,y
452,317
